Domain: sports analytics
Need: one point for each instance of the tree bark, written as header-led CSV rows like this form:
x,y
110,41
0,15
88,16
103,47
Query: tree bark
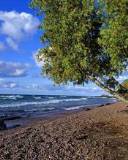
x,y
116,94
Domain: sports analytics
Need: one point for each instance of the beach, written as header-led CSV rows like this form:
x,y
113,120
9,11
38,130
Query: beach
x,y
64,80
97,134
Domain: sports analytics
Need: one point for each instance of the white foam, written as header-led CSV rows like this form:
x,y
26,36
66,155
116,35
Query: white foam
x,y
37,98
19,96
77,99
40,103
8,97
51,97
74,108
36,109
14,97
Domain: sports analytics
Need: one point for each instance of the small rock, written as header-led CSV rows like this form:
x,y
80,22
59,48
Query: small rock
x,y
100,105
88,109
2,125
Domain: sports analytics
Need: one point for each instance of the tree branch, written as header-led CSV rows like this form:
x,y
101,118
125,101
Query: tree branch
x,y
116,94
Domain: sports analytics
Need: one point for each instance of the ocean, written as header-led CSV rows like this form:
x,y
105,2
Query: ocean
x,y
43,105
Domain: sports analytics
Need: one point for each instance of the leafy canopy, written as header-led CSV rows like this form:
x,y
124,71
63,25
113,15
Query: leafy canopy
x,y
83,40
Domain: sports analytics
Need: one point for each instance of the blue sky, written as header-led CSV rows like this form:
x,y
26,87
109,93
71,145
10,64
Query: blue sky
x,y
19,42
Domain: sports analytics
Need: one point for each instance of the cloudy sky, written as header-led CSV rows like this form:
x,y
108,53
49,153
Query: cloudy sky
x,y
19,42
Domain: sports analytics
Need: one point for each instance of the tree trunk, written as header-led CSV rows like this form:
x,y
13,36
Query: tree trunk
x,y
116,94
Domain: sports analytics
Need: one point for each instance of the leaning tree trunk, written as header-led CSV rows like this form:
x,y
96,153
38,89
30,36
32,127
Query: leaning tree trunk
x,y
115,93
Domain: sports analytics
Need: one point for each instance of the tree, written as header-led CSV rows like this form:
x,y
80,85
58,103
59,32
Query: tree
x,y
85,42
125,83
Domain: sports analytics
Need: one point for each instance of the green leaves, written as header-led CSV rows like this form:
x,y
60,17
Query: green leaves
x,y
83,41
113,38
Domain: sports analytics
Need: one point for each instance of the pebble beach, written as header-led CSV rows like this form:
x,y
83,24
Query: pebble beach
x,y
97,134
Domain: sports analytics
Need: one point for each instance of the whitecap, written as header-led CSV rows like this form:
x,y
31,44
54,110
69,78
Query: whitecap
x,y
37,98
19,96
40,103
74,108
8,97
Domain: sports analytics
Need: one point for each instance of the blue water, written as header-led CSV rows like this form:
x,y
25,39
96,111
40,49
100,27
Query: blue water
x,y
39,105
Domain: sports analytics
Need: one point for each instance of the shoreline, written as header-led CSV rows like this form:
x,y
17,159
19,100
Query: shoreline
x,y
15,121
97,134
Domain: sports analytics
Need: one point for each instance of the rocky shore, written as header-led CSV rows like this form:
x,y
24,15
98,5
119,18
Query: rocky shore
x,y
4,120
97,134
2,125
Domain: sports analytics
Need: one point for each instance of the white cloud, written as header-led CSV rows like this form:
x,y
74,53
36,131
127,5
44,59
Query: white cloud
x,y
7,84
11,43
13,69
16,26
12,85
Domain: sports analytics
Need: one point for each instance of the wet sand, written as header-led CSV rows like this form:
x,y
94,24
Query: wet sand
x,y
97,134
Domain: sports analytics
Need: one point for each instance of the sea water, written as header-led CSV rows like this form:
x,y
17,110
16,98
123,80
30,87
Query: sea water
x,y
40,105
